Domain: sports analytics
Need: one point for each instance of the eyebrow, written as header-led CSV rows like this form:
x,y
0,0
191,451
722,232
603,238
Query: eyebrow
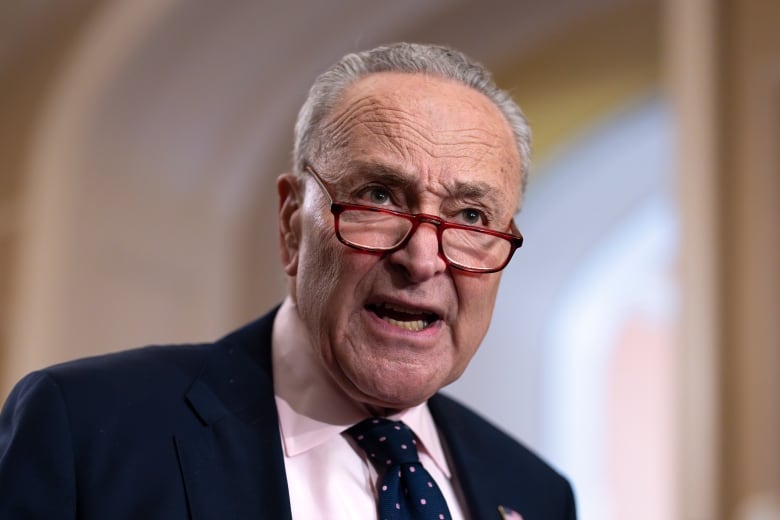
x,y
474,190
378,171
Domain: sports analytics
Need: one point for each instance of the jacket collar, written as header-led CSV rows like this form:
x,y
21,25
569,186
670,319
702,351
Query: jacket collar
x,y
232,464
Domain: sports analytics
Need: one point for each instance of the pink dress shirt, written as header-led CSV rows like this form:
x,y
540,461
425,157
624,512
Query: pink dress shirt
x,y
327,474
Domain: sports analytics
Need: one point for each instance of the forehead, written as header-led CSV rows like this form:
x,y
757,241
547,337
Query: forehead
x,y
437,129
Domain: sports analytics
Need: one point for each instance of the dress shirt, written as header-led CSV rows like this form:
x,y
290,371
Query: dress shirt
x,y
328,476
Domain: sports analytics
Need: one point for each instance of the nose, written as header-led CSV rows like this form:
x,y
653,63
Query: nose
x,y
420,257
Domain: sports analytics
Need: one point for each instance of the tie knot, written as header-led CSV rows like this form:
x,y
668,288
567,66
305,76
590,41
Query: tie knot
x,y
387,443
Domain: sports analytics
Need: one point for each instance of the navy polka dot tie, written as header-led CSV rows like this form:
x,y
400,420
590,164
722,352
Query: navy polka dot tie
x,y
406,490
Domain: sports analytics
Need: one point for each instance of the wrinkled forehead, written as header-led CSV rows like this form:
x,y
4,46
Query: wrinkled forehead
x,y
424,124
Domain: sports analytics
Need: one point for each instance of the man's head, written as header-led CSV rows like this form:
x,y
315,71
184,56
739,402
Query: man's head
x,y
434,60
415,129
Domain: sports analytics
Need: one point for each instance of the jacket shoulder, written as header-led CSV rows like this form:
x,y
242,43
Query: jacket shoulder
x,y
159,366
105,433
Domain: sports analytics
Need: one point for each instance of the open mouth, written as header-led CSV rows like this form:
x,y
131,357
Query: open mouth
x,y
404,318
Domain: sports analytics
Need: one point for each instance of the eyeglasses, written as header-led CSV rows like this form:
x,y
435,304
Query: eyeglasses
x,y
378,230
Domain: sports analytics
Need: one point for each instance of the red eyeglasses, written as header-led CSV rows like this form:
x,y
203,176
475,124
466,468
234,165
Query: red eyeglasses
x,y
378,230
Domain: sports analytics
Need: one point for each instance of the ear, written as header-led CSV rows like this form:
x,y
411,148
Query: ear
x,y
288,189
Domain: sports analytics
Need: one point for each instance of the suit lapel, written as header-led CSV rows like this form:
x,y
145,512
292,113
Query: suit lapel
x,y
232,463
493,469
477,488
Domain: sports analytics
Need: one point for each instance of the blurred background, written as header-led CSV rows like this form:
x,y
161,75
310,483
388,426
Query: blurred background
x,y
636,341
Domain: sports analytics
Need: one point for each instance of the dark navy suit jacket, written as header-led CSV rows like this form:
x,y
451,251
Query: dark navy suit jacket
x,y
177,432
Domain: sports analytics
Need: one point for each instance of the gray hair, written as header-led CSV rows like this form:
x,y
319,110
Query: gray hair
x,y
435,60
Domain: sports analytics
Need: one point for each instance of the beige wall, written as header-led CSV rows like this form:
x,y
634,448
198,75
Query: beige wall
x,y
28,67
750,249
723,60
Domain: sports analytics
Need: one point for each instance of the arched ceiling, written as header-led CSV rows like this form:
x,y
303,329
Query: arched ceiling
x,y
146,162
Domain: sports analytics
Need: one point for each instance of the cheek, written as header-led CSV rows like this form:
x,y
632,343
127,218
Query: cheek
x,y
476,299
317,279
327,284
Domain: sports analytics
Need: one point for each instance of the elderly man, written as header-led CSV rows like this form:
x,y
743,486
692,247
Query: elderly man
x,y
393,229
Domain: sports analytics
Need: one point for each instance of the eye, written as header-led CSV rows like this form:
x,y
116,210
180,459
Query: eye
x,y
375,195
472,217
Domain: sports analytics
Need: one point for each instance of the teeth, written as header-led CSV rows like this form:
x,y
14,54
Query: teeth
x,y
404,317
414,326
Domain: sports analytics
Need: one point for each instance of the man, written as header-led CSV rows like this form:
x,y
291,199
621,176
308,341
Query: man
x,y
393,230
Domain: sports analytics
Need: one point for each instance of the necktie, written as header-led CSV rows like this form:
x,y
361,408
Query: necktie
x,y
407,490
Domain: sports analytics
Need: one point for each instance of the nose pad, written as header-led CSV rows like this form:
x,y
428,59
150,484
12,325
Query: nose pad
x,y
420,256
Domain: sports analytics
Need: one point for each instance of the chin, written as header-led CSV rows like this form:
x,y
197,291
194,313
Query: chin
x,y
396,395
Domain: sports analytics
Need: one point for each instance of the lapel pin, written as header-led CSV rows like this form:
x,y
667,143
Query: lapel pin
x,y
509,514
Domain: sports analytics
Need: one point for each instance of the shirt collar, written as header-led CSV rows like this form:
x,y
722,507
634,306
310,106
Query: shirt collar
x,y
312,408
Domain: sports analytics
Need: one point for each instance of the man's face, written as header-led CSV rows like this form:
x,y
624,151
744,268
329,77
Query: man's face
x,y
392,329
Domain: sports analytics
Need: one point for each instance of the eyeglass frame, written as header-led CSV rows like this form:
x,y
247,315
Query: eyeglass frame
x,y
515,238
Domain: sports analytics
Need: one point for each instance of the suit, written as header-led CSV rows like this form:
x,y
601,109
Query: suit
x,y
191,432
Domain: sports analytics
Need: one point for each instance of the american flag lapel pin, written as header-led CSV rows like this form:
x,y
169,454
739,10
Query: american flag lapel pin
x,y
509,514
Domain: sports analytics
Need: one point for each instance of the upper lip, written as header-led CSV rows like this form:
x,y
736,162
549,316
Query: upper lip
x,y
406,306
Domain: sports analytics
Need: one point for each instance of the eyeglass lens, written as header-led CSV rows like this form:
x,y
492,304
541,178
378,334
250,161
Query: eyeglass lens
x,y
469,248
